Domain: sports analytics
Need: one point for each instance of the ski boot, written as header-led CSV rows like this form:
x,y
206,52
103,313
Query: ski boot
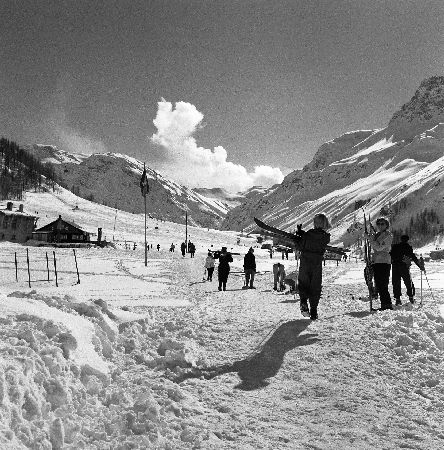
x,y
304,308
398,302
412,300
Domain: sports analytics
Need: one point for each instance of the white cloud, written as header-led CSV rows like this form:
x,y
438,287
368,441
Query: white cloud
x,y
196,166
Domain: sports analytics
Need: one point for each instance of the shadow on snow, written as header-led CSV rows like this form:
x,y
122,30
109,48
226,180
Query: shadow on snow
x,y
264,361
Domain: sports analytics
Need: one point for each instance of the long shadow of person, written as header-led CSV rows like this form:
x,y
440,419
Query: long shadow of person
x,y
254,370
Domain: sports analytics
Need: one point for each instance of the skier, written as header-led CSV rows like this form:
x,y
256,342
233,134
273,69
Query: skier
x,y
381,243
172,247
249,268
224,267
209,265
158,247
278,276
402,257
312,244
183,248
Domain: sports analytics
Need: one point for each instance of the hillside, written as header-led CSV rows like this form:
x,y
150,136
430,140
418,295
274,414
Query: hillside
x,y
376,168
113,179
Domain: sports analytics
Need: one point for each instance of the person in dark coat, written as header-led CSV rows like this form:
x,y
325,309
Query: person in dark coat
x,y
249,268
402,256
312,244
224,267
191,249
183,248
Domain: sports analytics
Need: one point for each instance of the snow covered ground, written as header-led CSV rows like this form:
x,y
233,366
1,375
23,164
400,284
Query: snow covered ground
x,y
155,357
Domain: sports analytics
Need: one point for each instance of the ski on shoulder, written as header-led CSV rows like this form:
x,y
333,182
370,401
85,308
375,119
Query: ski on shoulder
x,y
291,236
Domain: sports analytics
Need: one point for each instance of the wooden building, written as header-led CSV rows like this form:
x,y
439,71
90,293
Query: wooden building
x,y
16,226
61,231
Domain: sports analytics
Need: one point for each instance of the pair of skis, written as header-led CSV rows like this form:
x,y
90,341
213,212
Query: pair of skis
x,y
368,270
292,237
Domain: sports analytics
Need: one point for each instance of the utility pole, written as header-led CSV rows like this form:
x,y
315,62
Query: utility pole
x,y
144,189
186,231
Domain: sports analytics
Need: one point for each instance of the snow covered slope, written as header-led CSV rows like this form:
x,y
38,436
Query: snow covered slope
x,y
372,167
113,179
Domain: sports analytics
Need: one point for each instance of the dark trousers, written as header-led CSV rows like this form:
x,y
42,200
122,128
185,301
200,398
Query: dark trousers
x,y
249,277
310,282
222,275
401,271
210,271
381,273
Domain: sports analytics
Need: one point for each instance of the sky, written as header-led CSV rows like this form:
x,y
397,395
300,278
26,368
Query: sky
x,y
245,89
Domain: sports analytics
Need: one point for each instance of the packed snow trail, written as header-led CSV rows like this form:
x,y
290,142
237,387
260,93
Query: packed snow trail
x,y
350,380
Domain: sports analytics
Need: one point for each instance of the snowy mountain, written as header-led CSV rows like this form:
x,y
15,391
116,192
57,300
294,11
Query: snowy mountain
x,y
113,179
402,164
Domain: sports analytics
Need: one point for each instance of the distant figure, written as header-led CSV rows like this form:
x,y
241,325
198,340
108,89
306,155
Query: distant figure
x,y
286,253
402,257
158,247
183,248
224,267
271,253
191,249
249,268
147,247
209,265
172,247
134,246
278,277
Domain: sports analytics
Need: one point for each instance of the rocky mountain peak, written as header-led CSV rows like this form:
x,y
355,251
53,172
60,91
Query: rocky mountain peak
x,y
424,110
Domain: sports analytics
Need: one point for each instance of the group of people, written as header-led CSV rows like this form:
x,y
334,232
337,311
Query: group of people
x,y
191,248
311,246
387,256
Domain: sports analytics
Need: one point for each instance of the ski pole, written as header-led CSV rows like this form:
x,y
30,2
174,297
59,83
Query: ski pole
x,y
421,288
431,293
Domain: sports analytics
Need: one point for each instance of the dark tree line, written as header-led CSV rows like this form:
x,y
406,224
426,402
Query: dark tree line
x,y
421,228
21,171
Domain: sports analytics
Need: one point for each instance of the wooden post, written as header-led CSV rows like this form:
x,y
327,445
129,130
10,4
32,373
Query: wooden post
x,y
29,272
55,270
77,267
16,267
47,264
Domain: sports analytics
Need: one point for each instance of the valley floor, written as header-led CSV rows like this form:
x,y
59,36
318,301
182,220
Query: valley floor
x,y
239,369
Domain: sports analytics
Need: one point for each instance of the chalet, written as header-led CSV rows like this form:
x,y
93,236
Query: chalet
x,y
16,225
61,231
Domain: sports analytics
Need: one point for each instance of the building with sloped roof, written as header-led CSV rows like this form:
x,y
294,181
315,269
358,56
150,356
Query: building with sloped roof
x,y
16,226
61,231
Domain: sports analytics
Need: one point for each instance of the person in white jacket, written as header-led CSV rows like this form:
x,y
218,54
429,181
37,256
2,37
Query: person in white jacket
x,y
381,243
209,265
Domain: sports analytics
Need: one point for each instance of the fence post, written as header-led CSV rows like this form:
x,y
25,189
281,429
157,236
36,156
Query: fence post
x,y
77,268
55,270
47,264
16,267
29,272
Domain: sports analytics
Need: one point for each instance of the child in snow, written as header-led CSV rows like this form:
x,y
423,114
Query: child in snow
x,y
381,243
312,244
209,265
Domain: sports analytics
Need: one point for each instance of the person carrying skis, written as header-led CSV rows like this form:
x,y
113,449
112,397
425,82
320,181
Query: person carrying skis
x,y
312,245
402,257
224,267
209,265
381,243
249,268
